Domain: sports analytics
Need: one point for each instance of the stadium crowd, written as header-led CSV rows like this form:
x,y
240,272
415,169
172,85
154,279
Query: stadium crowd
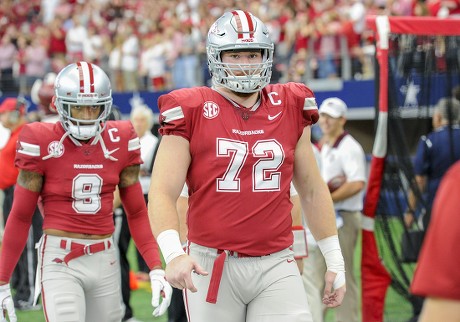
x,y
159,45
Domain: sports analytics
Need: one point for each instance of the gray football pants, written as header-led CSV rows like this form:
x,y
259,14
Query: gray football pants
x,y
252,289
87,289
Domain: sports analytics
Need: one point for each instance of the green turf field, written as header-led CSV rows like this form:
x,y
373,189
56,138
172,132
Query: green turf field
x,y
397,309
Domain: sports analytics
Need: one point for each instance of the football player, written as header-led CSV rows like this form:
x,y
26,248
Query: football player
x,y
238,145
75,165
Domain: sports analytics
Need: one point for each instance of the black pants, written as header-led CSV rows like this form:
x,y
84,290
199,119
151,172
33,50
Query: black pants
x,y
7,81
176,310
23,278
122,237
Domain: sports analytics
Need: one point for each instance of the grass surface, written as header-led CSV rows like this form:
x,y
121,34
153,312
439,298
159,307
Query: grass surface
x,y
397,309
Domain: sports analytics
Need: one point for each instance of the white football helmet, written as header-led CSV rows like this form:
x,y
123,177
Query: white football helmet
x,y
239,30
80,84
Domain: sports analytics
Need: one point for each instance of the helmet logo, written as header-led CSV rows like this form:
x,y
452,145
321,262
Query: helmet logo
x,y
56,149
210,110
86,95
214,29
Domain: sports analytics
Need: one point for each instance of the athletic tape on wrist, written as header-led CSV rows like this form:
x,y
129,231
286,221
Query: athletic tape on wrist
x,y
330,248
339,280
170,245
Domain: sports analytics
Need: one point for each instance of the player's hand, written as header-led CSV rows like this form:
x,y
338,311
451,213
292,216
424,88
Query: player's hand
x,y
335,289
160,288
7,304
179,272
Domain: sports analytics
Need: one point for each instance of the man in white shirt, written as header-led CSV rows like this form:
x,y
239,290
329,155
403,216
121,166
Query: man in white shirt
x,y
343,157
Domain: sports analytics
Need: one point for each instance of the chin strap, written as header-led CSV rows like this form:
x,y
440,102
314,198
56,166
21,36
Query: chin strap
x,y
107,153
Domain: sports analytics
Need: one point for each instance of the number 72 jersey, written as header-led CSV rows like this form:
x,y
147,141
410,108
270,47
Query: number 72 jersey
x,y
242,163
79,181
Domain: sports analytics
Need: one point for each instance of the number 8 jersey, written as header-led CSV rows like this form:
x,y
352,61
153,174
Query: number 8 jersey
x,y
242,163
79,181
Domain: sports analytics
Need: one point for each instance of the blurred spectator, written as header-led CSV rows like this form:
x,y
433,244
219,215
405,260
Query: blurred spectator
x,y
142,119
456,92
114,64
328,27
436,152
354,23
154,62
420,8
22,44
57,39
343,156
74,40
36,61
185,68
93,46
130,55
8,54
444,8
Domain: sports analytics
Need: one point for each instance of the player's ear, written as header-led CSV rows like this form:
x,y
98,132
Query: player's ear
x,y
52,106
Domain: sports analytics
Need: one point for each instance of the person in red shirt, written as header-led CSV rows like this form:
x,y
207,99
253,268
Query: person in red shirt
x,y
13,117
74,166
238,146
437,278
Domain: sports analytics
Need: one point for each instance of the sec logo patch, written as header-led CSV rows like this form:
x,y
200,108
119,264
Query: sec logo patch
x,y
55,149
210,110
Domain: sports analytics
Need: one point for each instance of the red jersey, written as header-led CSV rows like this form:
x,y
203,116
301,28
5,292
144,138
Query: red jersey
x,y
9,171
436,274
242,163
78,185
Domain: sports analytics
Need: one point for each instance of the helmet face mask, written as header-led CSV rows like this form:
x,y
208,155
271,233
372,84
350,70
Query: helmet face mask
x,y
80,85
239,31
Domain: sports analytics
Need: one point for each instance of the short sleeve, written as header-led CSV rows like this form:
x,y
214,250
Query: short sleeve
x,y
172,117
134,145
421,163
28,151
354,161
306,100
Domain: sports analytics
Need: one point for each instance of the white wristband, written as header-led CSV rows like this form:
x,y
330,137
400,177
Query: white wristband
x,y
170,245
330,248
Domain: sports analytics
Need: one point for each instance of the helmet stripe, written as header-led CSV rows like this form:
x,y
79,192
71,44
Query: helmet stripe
x,y
91,78
80,76
244,25
250,24
86,75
